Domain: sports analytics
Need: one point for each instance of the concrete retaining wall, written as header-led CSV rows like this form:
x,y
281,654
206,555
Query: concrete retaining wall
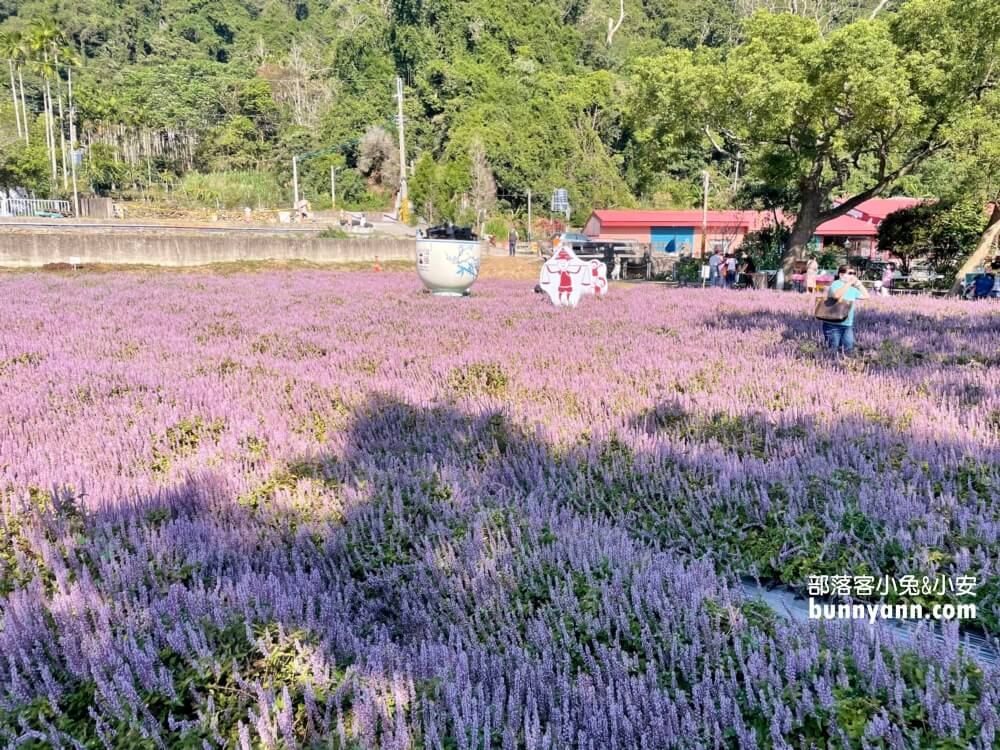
x,y
35,249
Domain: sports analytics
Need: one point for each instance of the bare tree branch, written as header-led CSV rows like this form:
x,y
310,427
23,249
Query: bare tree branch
x,y
612,26
715,143
883,182
878,9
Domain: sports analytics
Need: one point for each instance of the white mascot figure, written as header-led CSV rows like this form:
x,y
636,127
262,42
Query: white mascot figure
x,y
565,278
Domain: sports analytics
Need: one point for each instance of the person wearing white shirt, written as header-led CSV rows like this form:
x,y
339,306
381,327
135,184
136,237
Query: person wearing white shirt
x,y
730,271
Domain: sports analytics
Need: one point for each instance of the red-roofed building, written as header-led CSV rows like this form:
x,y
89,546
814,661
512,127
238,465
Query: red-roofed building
x,y
676,231
876,209
857,230
681,231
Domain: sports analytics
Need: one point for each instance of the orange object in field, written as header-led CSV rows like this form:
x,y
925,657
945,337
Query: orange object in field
x,y
378,266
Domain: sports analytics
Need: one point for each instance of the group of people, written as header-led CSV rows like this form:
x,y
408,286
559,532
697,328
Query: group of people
x,y
985,285
725,270
847,287
882,286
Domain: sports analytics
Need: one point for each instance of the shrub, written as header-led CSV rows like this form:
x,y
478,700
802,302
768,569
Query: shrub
x,y
688,270
498,226
232,190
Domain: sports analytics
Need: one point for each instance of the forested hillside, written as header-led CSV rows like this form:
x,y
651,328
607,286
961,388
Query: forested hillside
x,y
531,87
214,97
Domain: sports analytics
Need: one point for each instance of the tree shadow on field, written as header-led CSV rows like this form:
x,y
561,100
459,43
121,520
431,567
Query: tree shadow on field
x,y
448,545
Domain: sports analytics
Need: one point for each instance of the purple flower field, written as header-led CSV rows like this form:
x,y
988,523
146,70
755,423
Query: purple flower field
x,y
324,510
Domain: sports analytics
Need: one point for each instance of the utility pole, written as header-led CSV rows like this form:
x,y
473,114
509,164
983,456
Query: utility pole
x,y
333,188
404,208
72,160
529,218
295,182
72,146
704,214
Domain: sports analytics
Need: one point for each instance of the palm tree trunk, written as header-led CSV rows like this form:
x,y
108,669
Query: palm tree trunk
x,y
52,129
24,109
45,116
13,93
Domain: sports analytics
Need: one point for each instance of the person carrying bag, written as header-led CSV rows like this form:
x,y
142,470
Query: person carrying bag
x,y
830,310
836,310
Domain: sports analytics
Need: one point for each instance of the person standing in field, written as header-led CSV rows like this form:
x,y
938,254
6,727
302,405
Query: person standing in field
x,y
812,271
887,277
714,268
983,285
748,270
730,271
847,287
512,242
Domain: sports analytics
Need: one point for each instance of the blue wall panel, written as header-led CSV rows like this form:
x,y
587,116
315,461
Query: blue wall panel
x,y
672,239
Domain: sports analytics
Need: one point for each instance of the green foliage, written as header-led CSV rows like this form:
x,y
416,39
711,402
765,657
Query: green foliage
x,y
806,108
765,245
499,227
232,190
688,270
183,439
26,167
333,233
261,652
939,233
812,116
436,188
102,170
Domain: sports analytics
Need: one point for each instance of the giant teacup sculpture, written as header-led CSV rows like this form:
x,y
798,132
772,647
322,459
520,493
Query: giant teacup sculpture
x,y
448,260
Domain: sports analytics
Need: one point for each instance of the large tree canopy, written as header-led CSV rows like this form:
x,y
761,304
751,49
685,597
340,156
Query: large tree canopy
x,y
826,121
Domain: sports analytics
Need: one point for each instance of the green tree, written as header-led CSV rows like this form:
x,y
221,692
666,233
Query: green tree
x,y
973,174
830,121
102,170
25,166
941,234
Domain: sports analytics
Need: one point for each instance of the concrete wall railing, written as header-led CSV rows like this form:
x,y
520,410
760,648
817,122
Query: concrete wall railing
x,y
36,249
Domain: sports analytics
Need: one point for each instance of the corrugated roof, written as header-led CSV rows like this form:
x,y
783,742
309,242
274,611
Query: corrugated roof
x,y
620,218
847,225
861,222
879,208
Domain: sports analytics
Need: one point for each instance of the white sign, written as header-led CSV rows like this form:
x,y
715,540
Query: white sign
x,y
565,278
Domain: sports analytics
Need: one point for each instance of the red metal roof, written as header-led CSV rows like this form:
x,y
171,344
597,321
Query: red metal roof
x,y
864,224
622,219
847,226
879,208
